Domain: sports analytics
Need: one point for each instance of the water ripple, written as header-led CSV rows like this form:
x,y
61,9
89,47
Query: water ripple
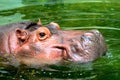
x,y
91,27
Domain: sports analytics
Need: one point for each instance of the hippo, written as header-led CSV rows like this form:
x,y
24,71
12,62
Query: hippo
x,y
34,44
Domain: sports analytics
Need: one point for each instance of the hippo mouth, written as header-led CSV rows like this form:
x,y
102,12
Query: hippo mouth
x,y
67,52
70,52
64,51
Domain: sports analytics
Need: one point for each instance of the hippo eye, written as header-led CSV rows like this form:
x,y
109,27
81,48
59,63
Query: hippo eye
x,y
43,33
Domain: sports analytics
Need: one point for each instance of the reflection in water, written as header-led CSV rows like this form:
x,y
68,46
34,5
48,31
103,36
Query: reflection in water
x,y
29,2
72,14
10,4
16,17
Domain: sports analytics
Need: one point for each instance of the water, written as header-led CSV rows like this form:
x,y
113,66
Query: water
x,y
70,14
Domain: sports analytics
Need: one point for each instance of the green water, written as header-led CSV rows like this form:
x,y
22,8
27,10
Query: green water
x,y
103,15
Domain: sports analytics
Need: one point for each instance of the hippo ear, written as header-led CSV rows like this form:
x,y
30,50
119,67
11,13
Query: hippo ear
x,y
53,25
39,22
22,35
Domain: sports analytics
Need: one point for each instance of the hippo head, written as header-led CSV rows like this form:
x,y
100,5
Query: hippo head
x,y
50,45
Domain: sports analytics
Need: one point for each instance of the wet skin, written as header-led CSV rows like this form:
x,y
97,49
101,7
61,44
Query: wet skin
x,y
33,43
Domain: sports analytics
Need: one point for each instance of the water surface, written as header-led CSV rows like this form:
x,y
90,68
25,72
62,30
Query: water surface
x,y
103,15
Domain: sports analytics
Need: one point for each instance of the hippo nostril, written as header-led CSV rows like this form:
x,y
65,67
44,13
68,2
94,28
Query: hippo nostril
x,y
87,37
95,31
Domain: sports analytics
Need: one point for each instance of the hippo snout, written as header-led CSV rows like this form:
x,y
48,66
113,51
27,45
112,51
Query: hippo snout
x,y
84,47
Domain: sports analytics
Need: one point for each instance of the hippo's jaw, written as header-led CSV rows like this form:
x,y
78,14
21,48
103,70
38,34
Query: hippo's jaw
x,y
39,54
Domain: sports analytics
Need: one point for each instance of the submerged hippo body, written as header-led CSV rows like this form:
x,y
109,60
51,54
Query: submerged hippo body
x,y
32,43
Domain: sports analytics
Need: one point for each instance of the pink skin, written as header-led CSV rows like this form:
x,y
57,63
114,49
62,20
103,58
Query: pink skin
x,y
36,48
40,50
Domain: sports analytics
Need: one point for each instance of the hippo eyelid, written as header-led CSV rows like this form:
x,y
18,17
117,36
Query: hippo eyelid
x,y
43,33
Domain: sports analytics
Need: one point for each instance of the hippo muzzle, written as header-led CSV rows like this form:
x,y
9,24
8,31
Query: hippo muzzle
x,y
81,46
